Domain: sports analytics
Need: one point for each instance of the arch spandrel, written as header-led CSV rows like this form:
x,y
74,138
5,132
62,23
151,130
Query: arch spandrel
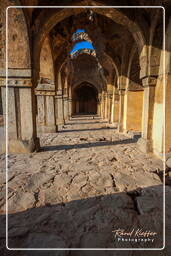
x,y
114,14
18,40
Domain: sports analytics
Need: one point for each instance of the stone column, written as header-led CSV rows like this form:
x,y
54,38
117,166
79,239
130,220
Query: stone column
x,y
108,107
69,102
102,105
112,105
21,112
116,107
168,117
69,108
46,122
66,106
99,105
145,143
121,109
122,82
59,110
110,96
105,105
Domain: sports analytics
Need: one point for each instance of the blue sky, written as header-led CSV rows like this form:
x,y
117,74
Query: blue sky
x,y
82,44
79,30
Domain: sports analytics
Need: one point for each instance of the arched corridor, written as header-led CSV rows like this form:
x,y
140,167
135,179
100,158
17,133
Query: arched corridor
x,y
85,99
88,124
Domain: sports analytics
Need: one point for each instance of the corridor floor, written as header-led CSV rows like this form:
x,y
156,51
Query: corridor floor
x,y
86,181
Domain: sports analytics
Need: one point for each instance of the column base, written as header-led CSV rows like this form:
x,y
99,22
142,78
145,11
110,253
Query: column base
x,y
21,146
60,127
66,120
47,129
132,134
113,125
120,129
145,145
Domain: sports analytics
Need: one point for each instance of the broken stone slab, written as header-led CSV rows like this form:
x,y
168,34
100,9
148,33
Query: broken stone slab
x,y
18,231
3,177
45,240
145,204
135,179
83,139
17,181
169,173
151,199
37,180
73,193
168,162
102,139
49,196
94,240
79,180
62,180
21,202
168,180
100,180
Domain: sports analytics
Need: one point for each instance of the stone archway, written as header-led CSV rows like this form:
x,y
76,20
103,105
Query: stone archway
x,y
85,99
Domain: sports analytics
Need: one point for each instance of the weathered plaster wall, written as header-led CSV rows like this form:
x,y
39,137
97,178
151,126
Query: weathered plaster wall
x,y
133,110
46,61
158,119
18,40
168,115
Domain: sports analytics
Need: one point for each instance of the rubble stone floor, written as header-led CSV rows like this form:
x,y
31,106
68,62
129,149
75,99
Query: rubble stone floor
x,y
87,181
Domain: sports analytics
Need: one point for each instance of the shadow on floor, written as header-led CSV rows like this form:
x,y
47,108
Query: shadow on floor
x,y
87,223
87,130
88,145
78,123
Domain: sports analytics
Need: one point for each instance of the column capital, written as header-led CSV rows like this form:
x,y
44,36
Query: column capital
x,y
122,92
45,93
58,97
149,81
59,93
16,82
45,87
110,95
65,97
122,82
70,100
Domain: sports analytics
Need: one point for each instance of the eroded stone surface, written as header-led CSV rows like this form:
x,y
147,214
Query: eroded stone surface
x,y
77,189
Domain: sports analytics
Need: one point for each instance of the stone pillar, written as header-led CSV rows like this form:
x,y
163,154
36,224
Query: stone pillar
x,y
70,107
116,107
145,143
122,82
105,105
121,109
168,117
65,106
102,105
110,96
46,122
99,104
21,112
1,109
59,110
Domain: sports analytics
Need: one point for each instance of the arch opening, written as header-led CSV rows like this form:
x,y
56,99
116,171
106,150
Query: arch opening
x,y
85,100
